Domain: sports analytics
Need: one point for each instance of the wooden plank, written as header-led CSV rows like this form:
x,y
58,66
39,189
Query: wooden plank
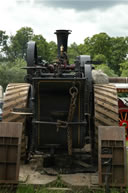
x,y
108,106
112,90
104,93
17,85
104,119
107,113
99,123
11,129
114,133
9,91
111,101
9,110
15,95
113,138
16,102
10,142
108,85
13,118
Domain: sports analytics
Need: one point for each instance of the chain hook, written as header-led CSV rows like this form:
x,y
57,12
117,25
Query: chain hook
x,y
73,91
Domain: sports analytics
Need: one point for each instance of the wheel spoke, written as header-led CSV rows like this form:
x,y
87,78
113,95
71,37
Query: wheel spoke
x,y
123,120
121,116
119,119
125,116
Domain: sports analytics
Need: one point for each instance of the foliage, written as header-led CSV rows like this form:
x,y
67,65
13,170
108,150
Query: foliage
x,y
98,44
18,43
73,52
103,48
52,51
119,50
100,58
25,189
3,38
124,68
114,49
110,52
40,189
11,72
106,69
32,189
82,50
3,42
42,46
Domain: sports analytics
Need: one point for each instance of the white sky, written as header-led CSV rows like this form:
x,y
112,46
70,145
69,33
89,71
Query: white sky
x,y
45,19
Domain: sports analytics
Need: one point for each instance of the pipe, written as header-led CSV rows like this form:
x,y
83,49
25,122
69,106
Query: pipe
x,y
118,79
62,40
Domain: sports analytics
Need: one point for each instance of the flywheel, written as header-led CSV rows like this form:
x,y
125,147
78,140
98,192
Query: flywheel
x,y
16,96
106,106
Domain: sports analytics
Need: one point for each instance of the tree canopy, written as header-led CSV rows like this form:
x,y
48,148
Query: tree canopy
x,y
18,43
110,52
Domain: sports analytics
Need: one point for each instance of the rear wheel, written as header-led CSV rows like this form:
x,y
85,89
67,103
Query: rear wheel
x,y
16,96
106,107
123,119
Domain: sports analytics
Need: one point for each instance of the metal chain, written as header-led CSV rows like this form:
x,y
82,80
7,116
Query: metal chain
x,y
73,91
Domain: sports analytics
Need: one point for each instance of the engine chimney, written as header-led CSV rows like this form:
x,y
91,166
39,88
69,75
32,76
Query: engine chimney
x,y
62,40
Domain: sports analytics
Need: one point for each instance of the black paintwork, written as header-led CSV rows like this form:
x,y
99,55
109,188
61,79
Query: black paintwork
x,y
50,98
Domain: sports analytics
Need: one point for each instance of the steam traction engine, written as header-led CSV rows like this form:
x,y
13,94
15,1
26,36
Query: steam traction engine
x,y
61,100
61,109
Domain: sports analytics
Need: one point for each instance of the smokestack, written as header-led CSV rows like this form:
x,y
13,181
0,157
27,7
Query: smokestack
x,y
62,40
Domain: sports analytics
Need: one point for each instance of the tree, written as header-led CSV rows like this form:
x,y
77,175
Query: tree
x,y
114,49
98,44
11,72
18,43
119,50
82,49
106,69
124,68
73,52
52,51
100,58
42,47
3,44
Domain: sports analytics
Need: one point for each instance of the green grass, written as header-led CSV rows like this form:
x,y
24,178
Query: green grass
x,y
29,189
33,189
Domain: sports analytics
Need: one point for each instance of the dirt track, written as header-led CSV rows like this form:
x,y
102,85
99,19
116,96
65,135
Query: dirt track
x,y
28,175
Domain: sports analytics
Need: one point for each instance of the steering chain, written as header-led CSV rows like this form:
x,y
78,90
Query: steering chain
x,y
73,91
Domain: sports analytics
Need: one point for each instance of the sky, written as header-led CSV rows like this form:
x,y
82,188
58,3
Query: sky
x,y
84,17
